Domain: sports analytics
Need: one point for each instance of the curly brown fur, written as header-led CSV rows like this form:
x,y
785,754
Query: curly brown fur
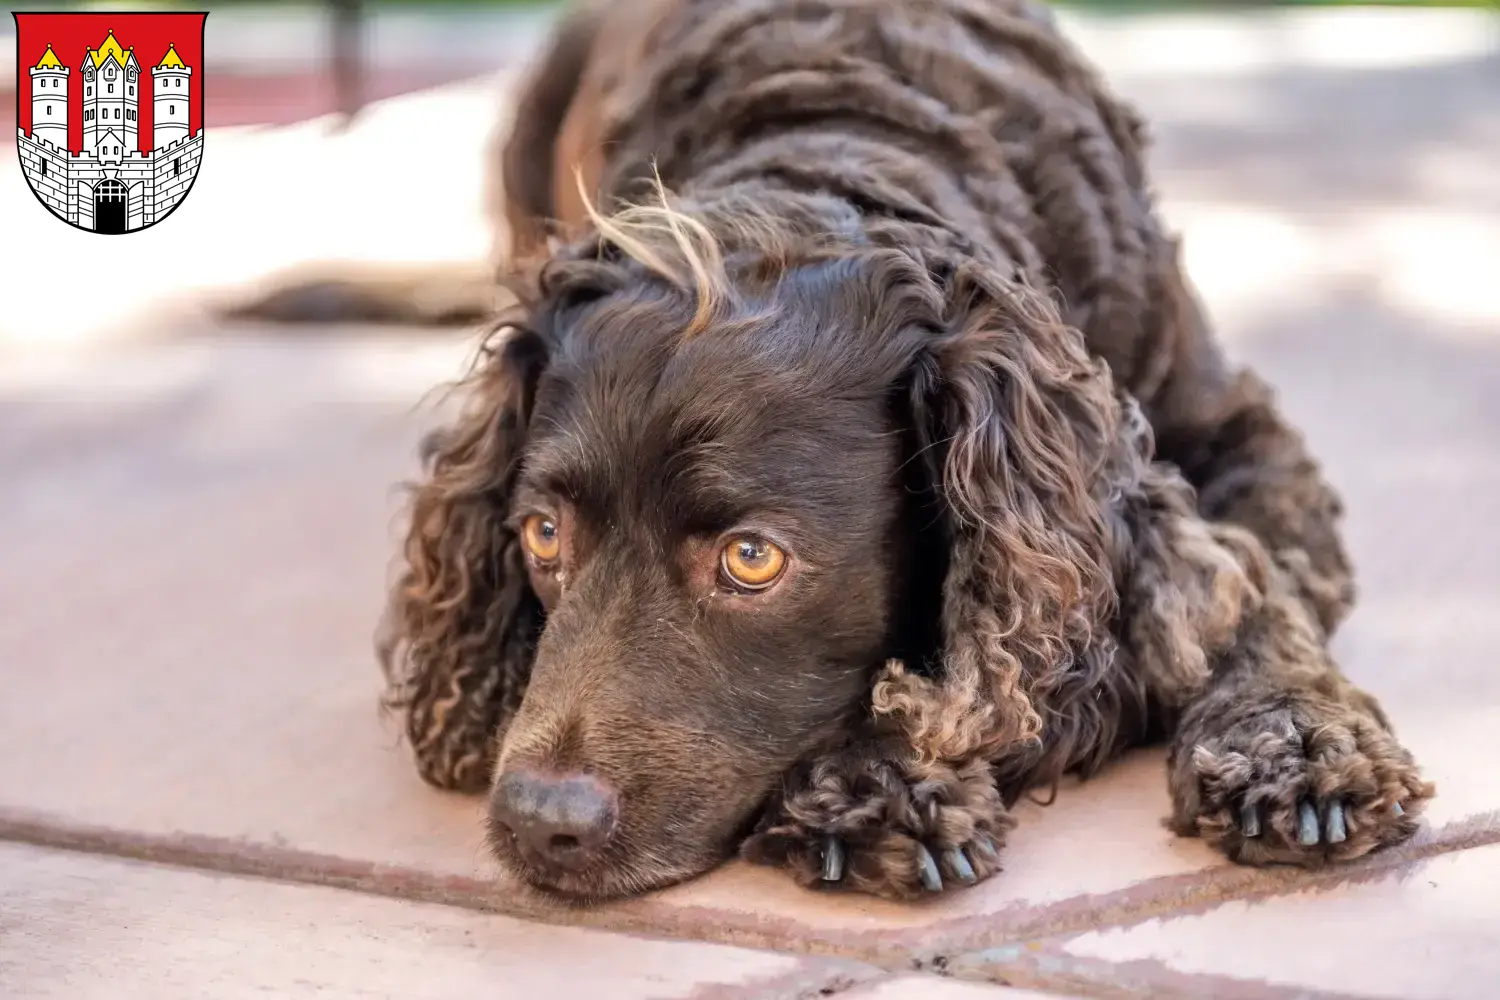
x,y
1280,732
461,625
910,315
883,809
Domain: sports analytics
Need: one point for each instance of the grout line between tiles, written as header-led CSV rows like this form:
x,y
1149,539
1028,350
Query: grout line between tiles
x,y
1040,962
996,946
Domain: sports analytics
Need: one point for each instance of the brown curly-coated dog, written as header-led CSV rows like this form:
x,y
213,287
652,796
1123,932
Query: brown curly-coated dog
x,y
884,469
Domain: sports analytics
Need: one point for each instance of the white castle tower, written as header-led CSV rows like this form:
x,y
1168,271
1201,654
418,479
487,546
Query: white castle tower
x,y
111,99
49,100
169,90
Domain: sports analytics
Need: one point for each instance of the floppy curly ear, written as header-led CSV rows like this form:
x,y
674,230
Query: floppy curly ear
x,y
461,626
1016,422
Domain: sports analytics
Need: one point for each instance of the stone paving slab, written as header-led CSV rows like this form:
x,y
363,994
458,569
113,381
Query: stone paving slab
x,y
77,927
1428,932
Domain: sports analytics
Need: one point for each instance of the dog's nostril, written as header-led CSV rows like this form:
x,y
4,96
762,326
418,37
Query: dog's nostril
x,y
563,819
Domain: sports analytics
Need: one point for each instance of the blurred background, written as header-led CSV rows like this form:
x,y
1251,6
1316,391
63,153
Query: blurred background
x,y
1276,109
196,517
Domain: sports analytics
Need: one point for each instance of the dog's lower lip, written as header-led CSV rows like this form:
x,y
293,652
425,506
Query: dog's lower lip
x,y
557,892
559,886
588,887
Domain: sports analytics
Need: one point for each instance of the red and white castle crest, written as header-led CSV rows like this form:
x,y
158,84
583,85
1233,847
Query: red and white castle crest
x,y
110,122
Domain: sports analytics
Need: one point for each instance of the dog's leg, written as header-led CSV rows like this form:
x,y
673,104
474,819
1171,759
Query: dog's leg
x,y
867,816
1222,427
1281,759
1276,756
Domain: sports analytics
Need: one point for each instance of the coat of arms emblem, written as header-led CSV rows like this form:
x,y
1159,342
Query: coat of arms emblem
x,y
109,112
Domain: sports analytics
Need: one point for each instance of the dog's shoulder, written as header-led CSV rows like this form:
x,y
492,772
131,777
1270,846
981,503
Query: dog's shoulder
x,y
555,134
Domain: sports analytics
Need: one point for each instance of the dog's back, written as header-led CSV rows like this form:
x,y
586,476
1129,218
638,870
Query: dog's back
x,y
977,116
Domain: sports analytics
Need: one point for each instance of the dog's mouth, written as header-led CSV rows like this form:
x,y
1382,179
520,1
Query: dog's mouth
x,y
549,881
612,876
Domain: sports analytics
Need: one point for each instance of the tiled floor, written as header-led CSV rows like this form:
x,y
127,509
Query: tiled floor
x,y
194,534
100,927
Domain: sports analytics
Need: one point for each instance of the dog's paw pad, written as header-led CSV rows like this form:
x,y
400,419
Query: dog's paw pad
x,y
1304,788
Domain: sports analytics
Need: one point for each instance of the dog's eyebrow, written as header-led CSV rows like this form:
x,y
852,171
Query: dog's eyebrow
x,y
561,465
530,497
711,484
691,478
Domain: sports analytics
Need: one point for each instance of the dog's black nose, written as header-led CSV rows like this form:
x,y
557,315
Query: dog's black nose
x,y
564,819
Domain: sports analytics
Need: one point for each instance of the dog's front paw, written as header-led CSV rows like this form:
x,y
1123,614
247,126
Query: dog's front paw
x,y
856,820
1303,784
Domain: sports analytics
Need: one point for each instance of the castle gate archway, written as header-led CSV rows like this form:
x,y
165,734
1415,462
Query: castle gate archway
x,y
109,207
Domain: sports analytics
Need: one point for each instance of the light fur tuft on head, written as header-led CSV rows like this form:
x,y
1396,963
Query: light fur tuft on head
x,y
671,244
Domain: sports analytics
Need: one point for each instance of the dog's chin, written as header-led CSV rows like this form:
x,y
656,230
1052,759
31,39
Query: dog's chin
x,y
610,879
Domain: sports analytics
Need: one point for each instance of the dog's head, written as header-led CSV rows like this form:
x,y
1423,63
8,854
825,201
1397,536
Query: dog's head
x,y
701,499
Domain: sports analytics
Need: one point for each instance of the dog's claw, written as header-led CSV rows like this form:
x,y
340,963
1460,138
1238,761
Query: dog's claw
x,y
1249,821
1336,830
833,859
959,862
1307,824
986,848
1396,809
931,880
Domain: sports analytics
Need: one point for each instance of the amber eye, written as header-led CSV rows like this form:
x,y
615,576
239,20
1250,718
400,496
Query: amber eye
x,y
752,563
541,537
